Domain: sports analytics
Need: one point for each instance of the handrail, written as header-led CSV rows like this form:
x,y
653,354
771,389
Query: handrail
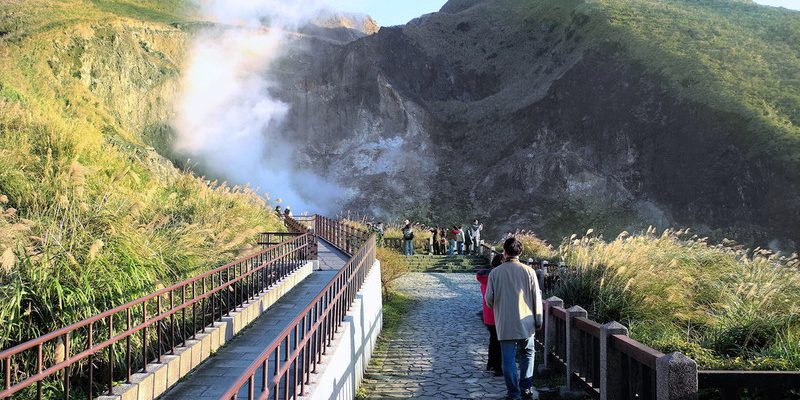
x,y
300,347
295,225
224,288
643,354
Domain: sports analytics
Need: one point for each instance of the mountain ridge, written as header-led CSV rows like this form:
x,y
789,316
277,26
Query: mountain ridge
x,y
462,74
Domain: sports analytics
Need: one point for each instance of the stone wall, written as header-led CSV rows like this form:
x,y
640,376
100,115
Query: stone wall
x,y
343,367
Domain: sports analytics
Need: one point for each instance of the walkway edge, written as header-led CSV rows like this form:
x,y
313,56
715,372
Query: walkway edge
x,y
342,369
160,377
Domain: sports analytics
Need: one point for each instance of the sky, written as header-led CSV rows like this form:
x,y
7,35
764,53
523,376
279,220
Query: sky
x,y
396,12
393,12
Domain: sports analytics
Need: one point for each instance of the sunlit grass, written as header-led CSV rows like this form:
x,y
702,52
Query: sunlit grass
x,y
723,305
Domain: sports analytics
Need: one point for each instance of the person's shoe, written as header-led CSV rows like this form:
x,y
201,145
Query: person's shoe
x,y
530,394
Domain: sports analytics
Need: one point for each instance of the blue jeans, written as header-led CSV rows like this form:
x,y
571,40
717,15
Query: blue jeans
x,y
461,248
452,247
513,351
408,247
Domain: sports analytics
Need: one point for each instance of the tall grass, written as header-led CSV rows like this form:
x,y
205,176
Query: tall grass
x,y
723,305
90,217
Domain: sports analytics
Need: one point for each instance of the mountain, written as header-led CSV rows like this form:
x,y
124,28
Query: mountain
x,y
561,116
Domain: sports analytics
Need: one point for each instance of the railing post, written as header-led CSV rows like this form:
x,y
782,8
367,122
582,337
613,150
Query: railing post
x,y
550,329
610,362
676,377
573,351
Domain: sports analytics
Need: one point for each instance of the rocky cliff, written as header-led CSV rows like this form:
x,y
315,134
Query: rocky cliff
x,y
543,115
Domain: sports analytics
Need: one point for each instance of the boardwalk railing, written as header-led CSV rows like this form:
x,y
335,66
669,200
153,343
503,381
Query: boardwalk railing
x,y
86,358
284,369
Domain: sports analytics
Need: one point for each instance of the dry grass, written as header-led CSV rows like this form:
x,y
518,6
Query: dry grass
x,y
723,305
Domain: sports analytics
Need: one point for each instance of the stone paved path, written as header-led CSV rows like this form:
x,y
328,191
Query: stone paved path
x,y
440,349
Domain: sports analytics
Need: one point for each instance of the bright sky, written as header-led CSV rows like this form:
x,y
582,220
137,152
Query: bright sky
x,y
793,4
396,12
392,12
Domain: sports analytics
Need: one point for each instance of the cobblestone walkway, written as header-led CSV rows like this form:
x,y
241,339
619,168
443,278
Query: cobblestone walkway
x,y
440,349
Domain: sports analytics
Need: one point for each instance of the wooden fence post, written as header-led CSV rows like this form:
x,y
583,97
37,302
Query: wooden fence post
x,y
573,348
676,377
610,362
550,329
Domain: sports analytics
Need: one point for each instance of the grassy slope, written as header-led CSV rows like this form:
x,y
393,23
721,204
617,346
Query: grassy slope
x,y
89,216
735,56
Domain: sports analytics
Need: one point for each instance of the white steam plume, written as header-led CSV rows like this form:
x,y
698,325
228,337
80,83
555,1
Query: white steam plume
x,y
226,116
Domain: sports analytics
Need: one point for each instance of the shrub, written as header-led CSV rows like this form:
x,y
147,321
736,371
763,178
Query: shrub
x,y
393,266
535,248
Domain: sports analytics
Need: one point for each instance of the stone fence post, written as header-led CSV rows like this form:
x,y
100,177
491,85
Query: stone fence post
x,y
676,377
550,330
610,362
573,347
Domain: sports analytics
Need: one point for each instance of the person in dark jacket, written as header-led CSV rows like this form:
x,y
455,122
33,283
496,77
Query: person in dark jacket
x,y
495,362
408,238
435,235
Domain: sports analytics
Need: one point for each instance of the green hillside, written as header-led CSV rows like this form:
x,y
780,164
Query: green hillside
x,y
90,214
736,56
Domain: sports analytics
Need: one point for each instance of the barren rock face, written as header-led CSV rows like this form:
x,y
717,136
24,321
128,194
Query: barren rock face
x,y
472,112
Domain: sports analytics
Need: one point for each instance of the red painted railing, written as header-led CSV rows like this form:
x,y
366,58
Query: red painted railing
x,y
284,369
86,358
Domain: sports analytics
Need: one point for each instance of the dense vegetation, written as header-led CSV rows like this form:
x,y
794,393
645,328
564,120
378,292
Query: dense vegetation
x,y
90,215
723,305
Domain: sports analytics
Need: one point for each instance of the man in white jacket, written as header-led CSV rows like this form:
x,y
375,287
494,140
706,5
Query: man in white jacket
x,y
513,294
475,236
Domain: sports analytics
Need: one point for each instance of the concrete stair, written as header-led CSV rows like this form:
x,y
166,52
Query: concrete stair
x,y
430,263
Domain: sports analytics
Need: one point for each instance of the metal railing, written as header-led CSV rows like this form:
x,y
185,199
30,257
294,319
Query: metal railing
x,y
346,238
266,239
284,369
88,357
299,224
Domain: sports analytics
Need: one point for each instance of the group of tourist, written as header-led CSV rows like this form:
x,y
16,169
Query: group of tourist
x,y
454,240
512,312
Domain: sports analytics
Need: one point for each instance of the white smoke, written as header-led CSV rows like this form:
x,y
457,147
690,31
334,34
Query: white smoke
x,y
226,116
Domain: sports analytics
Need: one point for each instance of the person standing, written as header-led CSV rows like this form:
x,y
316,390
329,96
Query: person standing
x,y
495,361
475,235
408,238
435,236
451,240
442,242
512,293
459,239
